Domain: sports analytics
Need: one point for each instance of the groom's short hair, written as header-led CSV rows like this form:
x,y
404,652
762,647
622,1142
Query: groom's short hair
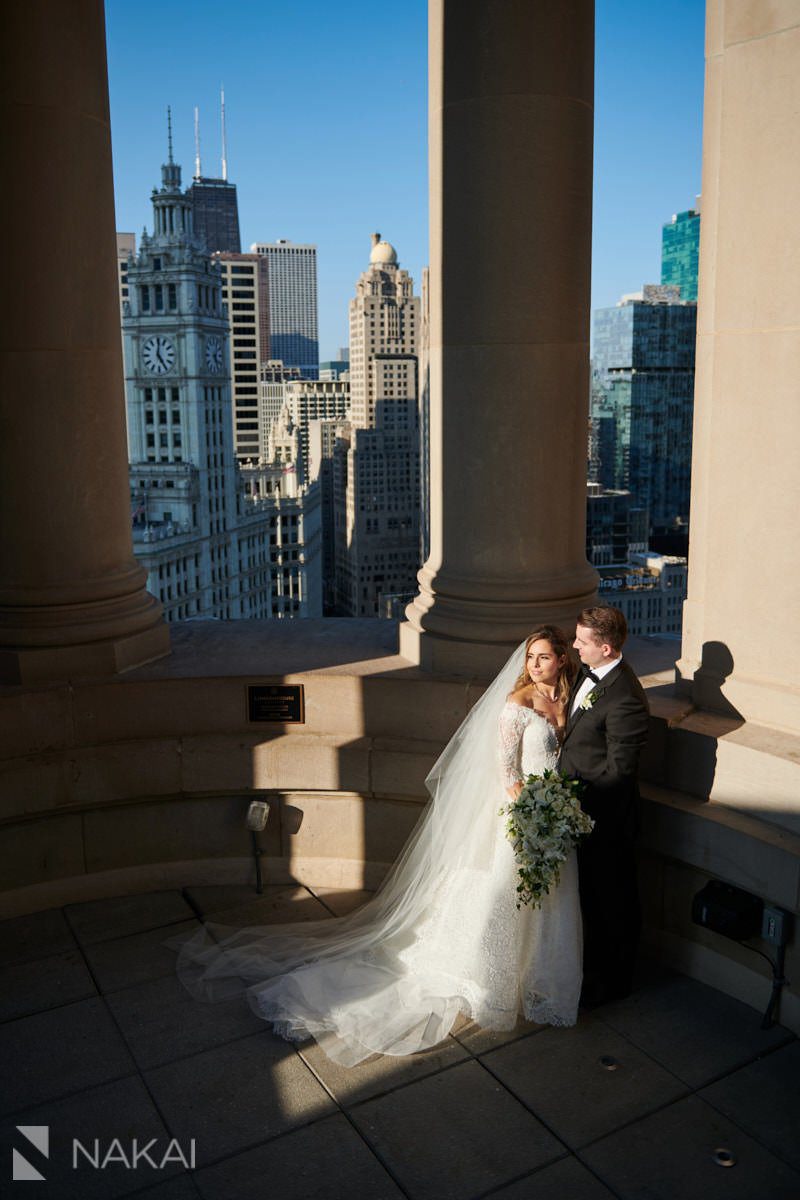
x,y
606,623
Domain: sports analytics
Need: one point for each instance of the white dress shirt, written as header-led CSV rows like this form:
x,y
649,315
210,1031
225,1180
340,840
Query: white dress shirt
x,y
589,684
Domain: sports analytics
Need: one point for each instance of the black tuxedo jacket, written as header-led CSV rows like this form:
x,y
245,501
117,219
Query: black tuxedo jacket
x,y
602,745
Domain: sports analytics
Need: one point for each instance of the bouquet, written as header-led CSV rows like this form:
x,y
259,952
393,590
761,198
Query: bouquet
x,y
544,823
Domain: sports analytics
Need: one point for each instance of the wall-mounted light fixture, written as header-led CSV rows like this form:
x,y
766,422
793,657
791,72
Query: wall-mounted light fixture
x,y
257,815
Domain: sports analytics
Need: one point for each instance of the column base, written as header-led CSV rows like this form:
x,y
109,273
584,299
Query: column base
x,y
44,664
473,636
450,656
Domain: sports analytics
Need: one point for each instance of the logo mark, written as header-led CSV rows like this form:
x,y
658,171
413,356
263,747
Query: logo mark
x,y
38,1136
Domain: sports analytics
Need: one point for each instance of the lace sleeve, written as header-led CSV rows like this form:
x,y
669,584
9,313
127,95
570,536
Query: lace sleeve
x,y
512,725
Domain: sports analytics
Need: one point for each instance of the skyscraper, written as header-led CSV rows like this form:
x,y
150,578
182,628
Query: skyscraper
x,y
384,319
615,529
292,280
644,351
680,251
216,211
316,400
126,248
245,294
209,549
425,417
377,453
216,214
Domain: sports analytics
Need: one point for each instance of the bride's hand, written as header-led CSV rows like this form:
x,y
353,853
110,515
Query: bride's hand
x,y
515,789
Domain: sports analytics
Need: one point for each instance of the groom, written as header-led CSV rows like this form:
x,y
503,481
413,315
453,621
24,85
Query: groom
x,y
606,729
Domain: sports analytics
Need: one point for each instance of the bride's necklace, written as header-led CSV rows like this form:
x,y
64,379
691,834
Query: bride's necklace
x,y
544,695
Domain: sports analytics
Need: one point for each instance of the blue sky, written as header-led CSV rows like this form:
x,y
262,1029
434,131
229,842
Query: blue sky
x,y
326,119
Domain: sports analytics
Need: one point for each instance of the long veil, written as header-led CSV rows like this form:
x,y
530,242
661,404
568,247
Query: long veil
x,y
343,980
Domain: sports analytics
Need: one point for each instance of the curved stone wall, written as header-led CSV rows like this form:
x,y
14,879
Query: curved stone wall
x,y
144,781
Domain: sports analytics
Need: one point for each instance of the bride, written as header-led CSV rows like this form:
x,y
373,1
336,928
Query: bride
x,y
443,935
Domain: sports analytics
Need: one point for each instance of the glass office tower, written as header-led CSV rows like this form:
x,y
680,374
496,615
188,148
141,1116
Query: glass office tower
x,y
680,251
644,352
216,214
293,328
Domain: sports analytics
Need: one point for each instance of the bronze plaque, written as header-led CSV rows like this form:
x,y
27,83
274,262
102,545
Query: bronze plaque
x,y
283,703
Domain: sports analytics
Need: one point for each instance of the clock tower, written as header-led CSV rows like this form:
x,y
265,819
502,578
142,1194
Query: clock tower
x,y
180,436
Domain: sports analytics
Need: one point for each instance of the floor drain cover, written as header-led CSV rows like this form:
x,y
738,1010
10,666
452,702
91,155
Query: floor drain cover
x,y
723,1157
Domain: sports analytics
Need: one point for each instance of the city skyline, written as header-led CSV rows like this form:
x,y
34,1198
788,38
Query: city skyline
x,y
303,113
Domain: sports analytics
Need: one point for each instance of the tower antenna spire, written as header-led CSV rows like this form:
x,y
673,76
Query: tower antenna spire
x,y
169,134
197,170
224,141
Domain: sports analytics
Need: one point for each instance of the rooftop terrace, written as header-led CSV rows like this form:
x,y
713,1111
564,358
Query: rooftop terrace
x,y
99,1040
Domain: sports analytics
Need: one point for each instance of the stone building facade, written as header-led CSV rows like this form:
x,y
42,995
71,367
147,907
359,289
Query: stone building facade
x,y
245,294
210,547
377,463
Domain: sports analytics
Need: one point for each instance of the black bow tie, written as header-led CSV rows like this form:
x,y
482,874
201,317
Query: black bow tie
x,y
588,673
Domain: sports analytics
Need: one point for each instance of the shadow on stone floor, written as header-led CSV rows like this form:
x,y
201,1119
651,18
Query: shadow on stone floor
x,y
99,1041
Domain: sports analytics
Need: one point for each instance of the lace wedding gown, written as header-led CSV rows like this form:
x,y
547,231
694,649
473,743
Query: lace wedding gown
x,y
443,935
499,960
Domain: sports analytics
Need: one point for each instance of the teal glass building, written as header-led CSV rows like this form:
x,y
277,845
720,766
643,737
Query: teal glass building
x,y
680,251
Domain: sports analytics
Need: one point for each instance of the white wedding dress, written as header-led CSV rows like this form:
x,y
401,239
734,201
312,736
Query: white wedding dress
x,y
443,935
498,960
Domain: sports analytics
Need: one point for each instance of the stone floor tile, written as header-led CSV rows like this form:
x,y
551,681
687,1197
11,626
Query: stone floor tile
x,y
649,972
478,1040
54,1053
693,1030
454,1135
213,897
342,901
379,1074
277,906
100,920
38,935
564,1180
235,1096
140,957
670,1156
323,1161
559,1076
122,1109
764,1100
44,983
162,1022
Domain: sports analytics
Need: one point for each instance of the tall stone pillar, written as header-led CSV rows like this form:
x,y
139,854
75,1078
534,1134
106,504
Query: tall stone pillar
x,y
741,647
72,597
511,124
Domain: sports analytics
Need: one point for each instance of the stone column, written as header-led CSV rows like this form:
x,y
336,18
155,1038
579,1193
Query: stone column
x,y
72,597
511,124
741,647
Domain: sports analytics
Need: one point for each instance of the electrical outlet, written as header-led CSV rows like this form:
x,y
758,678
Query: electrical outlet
x,y
774,925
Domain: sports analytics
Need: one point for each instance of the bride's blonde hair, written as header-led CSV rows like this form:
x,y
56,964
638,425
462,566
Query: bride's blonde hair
x,y
558,640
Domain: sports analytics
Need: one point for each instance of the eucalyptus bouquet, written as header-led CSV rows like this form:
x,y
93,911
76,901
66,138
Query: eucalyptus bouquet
x,y
543,824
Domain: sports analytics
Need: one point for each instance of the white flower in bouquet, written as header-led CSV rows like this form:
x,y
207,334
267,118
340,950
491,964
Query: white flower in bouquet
x,y
543,824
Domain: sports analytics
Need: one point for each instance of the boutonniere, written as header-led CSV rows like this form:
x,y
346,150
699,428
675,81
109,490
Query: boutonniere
x,y
589,699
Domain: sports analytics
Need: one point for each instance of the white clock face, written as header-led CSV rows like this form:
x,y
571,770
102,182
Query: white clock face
x,y
158,354
214,354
